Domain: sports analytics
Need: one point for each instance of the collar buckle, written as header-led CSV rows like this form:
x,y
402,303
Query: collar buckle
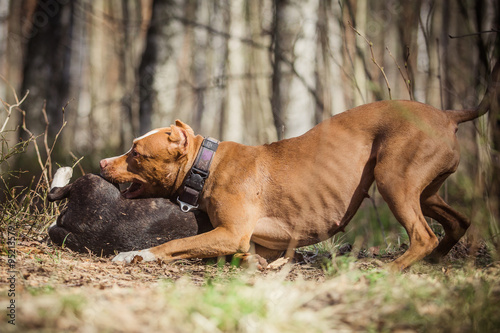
x,y
185,207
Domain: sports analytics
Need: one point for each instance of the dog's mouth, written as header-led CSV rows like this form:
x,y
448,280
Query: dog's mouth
x,y
134,190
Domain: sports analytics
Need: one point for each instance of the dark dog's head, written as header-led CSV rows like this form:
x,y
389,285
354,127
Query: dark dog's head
x,y
154,164
99,219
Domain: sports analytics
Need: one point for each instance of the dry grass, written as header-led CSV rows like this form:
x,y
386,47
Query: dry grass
x,y
58,290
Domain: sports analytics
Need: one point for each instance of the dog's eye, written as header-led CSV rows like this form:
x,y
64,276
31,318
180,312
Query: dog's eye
x,y
134,153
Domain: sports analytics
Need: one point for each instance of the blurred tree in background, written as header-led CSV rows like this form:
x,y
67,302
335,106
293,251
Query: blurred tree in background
x,y
251,71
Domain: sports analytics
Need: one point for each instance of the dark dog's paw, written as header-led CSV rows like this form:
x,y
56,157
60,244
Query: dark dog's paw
x,y
128,257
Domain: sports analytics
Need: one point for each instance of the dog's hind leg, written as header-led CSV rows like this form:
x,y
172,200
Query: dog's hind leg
x,y
454,224
402,198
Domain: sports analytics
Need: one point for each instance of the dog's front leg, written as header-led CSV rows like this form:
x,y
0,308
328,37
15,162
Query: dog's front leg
x,y
218,242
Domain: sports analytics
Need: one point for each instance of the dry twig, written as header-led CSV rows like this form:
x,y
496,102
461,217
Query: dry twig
x,y
407,81
370,44
11,107
474,34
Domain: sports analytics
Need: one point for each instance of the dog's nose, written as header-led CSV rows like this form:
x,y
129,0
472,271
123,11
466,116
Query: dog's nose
x,y
103,164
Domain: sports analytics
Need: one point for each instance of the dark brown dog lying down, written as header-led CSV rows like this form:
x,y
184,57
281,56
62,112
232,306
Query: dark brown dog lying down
x,y
98,218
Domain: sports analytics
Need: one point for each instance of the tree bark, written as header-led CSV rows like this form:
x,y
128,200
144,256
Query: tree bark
x,y
156,41
279,45
48,60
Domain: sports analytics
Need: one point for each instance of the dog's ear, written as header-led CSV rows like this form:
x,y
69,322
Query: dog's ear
x,y
179,137
59,189
188,129
59,193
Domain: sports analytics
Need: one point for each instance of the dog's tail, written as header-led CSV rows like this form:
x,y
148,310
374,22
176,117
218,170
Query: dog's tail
x,y
489,97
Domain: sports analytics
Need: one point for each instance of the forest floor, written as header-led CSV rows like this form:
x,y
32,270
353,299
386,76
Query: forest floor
x,y
56,290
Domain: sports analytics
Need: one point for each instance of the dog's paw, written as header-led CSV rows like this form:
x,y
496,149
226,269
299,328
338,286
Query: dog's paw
x,y
248,260
128,257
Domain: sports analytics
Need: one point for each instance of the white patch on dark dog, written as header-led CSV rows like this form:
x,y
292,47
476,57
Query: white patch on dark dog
x,y
52,225
62,177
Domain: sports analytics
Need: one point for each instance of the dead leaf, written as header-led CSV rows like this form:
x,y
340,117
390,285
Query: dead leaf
x,y
136,259
374,250
278,263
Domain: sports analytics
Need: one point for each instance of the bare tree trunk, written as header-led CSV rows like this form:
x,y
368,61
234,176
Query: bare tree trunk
x,y
323,64
494,119
301,97
233,121
156,52
359,56
216,111
408,25
278,40
258,112
431,30
4,34
201,62
48,60
494,192
129,124
339,80
13,52
347,16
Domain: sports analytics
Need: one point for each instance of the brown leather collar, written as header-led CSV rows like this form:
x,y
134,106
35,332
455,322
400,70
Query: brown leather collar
x,y
193,184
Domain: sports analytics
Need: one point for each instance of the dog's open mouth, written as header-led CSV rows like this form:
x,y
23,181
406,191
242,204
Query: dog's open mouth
x,y
134,190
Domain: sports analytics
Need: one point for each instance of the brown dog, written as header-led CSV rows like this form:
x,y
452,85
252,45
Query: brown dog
x,y
303,190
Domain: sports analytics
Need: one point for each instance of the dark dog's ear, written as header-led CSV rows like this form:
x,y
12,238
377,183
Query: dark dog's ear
x,y
59,193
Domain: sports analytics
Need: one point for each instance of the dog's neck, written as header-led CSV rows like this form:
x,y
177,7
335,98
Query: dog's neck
x,y
193,183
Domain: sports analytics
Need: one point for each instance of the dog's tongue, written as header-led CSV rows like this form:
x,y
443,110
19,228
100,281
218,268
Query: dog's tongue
x,y
133,190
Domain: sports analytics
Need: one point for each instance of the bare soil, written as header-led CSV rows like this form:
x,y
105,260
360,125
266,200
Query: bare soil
x,y
51,282
39,263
